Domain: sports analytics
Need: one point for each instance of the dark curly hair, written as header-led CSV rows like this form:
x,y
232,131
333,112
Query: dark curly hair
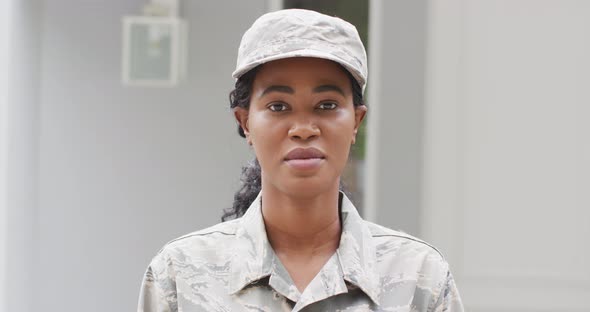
x,y
251,174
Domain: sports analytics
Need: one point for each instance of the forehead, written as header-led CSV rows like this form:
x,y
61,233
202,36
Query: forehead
x,y
302,70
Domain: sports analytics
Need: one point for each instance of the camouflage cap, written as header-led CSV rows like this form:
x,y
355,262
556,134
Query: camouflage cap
x,y
302,33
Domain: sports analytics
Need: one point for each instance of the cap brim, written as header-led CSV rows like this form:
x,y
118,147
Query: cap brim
x,y
301,53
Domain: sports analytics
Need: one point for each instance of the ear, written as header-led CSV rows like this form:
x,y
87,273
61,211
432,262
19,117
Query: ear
x,y
241,115
359,114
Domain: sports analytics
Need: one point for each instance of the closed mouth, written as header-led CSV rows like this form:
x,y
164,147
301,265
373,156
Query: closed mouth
x,y
304,153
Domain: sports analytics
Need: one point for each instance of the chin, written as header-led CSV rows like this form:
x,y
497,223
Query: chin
x,y
308,187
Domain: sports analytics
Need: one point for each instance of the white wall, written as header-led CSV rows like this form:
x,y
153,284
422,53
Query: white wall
x,y
507,154
395,97
123,170
19,120
5,31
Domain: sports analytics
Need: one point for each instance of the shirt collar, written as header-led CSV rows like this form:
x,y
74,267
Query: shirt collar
x,y
357,252
253,256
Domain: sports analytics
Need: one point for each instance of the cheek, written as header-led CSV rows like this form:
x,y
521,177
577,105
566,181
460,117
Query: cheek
x,y
341,145
266,135
262,128
344,126
339,138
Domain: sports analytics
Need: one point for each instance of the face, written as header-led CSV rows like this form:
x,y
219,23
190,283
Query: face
x,y
301,123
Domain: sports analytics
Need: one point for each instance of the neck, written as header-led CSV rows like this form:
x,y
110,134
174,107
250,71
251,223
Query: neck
x,y
309,225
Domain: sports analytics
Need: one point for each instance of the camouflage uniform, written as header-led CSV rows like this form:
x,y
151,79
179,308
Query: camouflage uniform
x,y
232,267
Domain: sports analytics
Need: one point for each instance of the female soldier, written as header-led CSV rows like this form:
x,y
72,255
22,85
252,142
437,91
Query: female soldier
x,y
298,243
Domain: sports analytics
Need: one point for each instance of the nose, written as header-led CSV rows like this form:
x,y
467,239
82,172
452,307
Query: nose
x,y
304,129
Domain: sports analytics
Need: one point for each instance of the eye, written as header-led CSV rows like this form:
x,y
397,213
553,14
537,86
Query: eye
x,y
327,106
278,107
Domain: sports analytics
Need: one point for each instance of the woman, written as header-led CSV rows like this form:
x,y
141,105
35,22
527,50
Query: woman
x,y
298,243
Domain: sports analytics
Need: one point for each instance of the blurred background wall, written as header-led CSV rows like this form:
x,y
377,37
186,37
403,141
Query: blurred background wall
x,y
477,141
122,169
507,151
102,175
19,154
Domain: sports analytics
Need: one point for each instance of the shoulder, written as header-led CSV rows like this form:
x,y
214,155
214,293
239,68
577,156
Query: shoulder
x,y
406,250
209,245
407,262
212,234
403,260
383,234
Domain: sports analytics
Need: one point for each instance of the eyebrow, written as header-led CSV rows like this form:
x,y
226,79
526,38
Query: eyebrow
x,y
326,88
274,88
289,90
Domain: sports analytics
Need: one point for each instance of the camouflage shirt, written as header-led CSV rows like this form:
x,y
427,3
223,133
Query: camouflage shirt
x,y
232,267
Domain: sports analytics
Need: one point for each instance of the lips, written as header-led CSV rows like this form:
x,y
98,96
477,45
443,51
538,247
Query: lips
x,y
304,153
305,160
